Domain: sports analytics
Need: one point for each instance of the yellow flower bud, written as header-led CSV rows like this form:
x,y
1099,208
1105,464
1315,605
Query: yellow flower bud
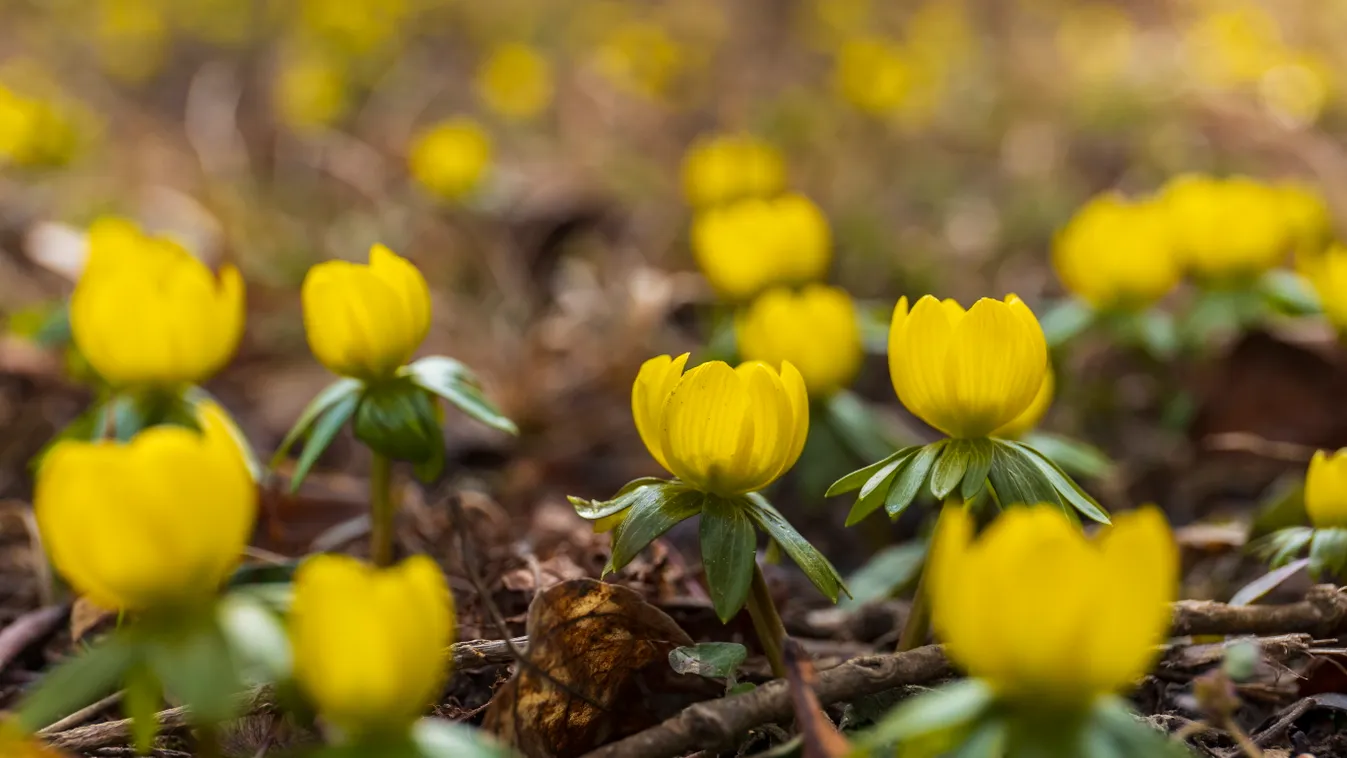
x,y
1326,489
967,373
371,645
754,244
1227,229
450,159
1046,615
1327,273
515,81
157,522
366,321
723,168
726,431
815,329
1117,253
1028,420
146,311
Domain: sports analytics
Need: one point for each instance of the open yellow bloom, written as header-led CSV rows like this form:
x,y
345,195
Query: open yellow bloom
x,y
515,81
723,168
1117,253
371,645
146,311
366,321
966,373
451,158
815,329
750,245
155,523
1028,420
1326,489
726,431
1327,273
1227,229
1045,614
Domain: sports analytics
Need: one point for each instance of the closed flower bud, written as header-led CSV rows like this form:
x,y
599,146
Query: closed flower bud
x,y
752,245
723,168
371,645
967,373
158,522
1117,254
1327,274
515,81
146,311
451,159
1326,489
726,431
366,321
1046,615
1227,229
815,329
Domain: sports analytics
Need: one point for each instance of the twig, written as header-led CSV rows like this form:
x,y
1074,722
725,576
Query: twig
x,y
82,716
27,629
1244,442
1322,613
1295,711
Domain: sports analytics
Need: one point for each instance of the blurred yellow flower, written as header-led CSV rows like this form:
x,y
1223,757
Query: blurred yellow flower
x,y
1028,420
726,431
354,28
1310,222
515,81
639,57
816,329
1297,90
450,160
1233,44
1046,615
753,244
146,311
34,131
366,321
132,37
371,645
1095,42
1326,489
1227,229
1116,253
723,168
158,522
15,744
967,373
310,91
872,74
1327,274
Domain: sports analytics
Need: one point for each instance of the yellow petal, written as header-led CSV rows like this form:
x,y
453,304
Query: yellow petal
x,y
794,385
1028,420
995,365
918,342
1326,489
707,432
649,392
356,322
773,427
411,290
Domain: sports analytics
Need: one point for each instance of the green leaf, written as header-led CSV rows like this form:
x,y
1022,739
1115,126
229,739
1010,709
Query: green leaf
x,y
78,681
256,638
1073,456
1282,546
1067,488
855,423
1158,334
1065,320
1112,716
197,668
324,431
859,477
728,545
140,702
944,708
331,395
872,494
437,738
1289,293
714,659
629,495
909,481
987,740
886,573
399,420
1018,481
805,555
949,469
454,382
980,455
1328,553
1281,505
649,518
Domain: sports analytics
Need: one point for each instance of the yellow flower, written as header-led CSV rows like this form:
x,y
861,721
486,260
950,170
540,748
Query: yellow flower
x,y
1327,273
146,311
722,168
1311,224
366,321
726,431
154,523
1227,229
1117,253
873,75
451,158
1045,614
311,91
967,373
750,245
34,132
1326,489
815,329
1028,420
133,37
639,57
515,81
371,645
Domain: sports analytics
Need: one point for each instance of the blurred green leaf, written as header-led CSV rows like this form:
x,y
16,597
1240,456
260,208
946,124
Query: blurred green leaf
x,y
949,706
329,422
198,669
886,573
330,396
648,518
78,681
1064,320
1255,590
437,738
1281,506
805,555
728,548
1288,292
454,382
256,638
140,702
1076,457
855,424
1328,554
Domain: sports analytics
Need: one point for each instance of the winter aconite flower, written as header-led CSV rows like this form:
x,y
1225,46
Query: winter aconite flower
x,y
1327,274
451,159
371,645
816,329
1227,229
515,81
146,311
722,430
723,168
156,522
1326,489
1117,253
966,373
1028,420
366,321
873,74
751,245
1047,616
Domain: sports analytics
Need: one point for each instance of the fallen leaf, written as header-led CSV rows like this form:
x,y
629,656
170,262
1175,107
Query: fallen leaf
x,y
597,670
87,618
819,736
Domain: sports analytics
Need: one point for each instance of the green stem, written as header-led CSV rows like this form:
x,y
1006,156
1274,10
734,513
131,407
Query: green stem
x,y
383,510
767,623
918,625
208,741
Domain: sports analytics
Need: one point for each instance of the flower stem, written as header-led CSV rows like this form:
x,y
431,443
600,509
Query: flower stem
x,y
382,510
918,625
767,623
